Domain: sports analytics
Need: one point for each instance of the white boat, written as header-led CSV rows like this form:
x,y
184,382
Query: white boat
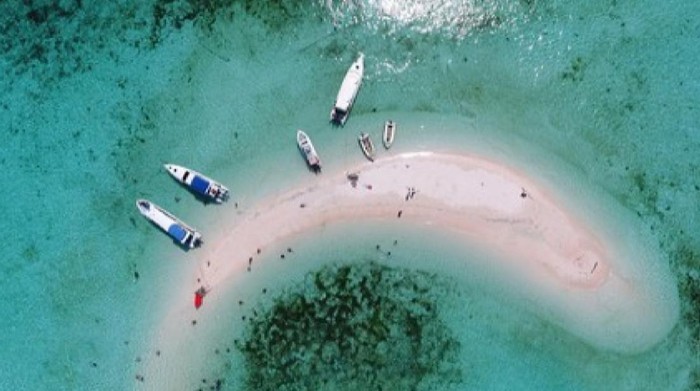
x,y
180,232
389,133
307,148
367,146
348,91
199,183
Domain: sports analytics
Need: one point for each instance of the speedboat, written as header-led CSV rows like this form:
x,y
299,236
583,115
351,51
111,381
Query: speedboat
x,y
307,148
367,146
389,133
199,183
182,233
348,91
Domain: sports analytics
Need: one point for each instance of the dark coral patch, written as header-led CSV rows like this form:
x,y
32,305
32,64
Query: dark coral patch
x,y
575,71
359,326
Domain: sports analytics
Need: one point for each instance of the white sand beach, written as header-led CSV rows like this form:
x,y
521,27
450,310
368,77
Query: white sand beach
x,y
576,277
487,203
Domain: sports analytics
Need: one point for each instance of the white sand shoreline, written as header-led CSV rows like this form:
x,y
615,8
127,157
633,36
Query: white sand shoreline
x,y
453,192
567,269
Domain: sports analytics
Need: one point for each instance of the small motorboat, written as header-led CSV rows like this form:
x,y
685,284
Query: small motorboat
x,y
307,148
198,183
389,133
367,146
182,233
348,91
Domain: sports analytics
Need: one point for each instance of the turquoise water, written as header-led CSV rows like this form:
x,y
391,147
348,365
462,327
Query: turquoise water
x,y
96,97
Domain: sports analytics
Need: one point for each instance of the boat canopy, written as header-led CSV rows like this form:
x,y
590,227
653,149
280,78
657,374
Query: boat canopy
x,y
346,95
200,184
178,233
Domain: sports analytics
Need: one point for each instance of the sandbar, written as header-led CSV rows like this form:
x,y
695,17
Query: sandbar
x,y
579,278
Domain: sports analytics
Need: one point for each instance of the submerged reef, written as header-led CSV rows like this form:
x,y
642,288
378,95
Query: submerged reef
x,y
353,327
55,39
274,15
689,285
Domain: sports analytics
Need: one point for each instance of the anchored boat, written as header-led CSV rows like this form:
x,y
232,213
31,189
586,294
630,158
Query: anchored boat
x,y
307,148
367,146
199,183
182,233
389,133
348,91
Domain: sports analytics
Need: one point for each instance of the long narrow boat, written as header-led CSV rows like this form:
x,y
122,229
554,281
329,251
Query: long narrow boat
x,y
389,133
367,146
198,183
182,233
307,148
348,91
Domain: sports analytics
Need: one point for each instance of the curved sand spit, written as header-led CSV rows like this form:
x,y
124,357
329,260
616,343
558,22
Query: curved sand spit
x,y
579,280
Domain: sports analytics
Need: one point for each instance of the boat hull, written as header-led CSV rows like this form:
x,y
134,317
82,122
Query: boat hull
x,y
389,133
180,232
198,183
348,92
367,146
307,149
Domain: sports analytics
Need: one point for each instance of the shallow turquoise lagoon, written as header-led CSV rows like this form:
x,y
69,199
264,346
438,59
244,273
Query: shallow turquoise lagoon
x,y
97,96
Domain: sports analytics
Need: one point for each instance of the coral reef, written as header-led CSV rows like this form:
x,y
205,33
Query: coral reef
x,y
352,327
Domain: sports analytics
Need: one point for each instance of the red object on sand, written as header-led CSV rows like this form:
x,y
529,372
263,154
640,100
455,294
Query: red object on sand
x,y
198,300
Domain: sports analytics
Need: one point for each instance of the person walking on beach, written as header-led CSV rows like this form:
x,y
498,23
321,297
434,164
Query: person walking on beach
x,y
411,193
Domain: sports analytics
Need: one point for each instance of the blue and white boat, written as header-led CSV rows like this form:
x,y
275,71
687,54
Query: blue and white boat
x,y
199,183
348,91
182,233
